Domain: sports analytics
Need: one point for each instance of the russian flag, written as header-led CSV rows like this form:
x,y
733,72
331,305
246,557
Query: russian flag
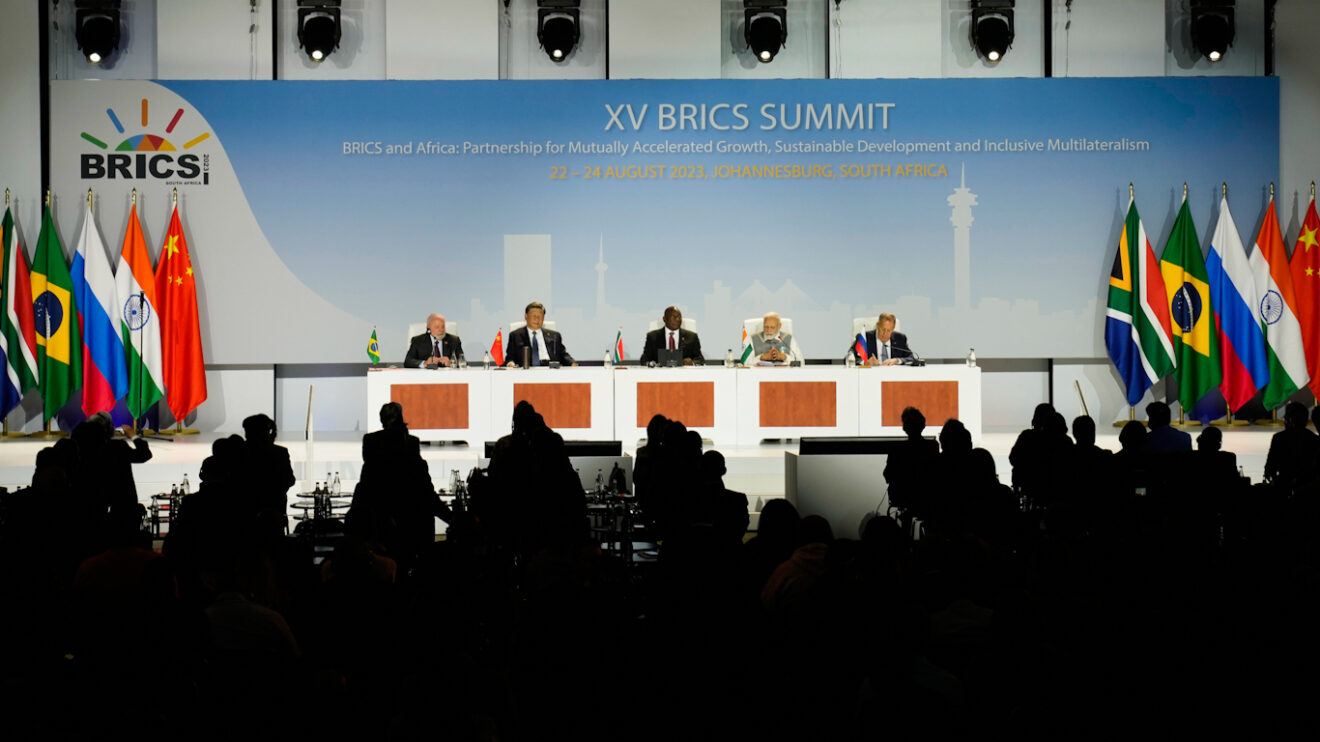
x,y
105,370
859,348
1233,294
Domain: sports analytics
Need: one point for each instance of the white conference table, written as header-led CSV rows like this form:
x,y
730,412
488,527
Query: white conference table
x,y
727,406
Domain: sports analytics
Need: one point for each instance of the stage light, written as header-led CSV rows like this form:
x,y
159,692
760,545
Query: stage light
x,y
558,27
319,28
765,27
1212,27
992,28
97,28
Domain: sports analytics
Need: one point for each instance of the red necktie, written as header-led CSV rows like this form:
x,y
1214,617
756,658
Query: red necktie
x,y
671,342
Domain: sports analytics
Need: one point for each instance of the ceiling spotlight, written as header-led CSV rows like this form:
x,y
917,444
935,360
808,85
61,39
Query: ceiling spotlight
x,y
558,27
765,27
1212,28
992,28
319,28
97,28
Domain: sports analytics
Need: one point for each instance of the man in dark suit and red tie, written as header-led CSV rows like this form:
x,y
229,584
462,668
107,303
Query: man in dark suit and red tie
x,y
433,348
545,346
672,337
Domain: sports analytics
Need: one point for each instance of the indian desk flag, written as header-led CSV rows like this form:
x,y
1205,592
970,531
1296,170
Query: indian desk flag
x,y
373,347
139,321
1277,313
746,347
1137,327
17,334
59,344
1195,342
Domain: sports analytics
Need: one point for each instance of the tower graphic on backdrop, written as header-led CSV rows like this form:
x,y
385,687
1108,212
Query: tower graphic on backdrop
x,y
962,200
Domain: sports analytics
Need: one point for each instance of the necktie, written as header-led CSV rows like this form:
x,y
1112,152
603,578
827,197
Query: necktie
x,y
435,347
884,352
536,350
672,346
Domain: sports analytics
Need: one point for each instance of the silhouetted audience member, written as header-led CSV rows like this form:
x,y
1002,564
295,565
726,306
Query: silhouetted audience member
x,y
105,465
1041,457
1163,437
912,465
1291,461
268,474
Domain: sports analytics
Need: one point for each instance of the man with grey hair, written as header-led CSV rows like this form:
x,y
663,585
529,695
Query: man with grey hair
x,y
773,346
433,348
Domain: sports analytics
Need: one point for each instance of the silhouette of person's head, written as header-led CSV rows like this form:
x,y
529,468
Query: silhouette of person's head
x,y
1041,416
954,437
1083,430
655,428
1159,414
1210,439
259,429
1294,415
913,422
391,416
1132,438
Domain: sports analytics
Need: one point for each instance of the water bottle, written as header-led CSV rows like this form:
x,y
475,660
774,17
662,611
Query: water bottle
x,y
600,481
971,357
174,490
184,490
335,488
851,360
317,489
485,361
609,359
728,359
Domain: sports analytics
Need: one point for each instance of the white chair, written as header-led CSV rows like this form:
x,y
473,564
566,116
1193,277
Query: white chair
x,y
417,328
687,324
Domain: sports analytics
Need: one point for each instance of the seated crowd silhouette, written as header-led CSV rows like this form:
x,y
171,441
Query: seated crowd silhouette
x,y
1152,585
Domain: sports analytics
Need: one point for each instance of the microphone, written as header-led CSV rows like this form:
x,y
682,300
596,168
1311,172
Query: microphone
x,y
913,359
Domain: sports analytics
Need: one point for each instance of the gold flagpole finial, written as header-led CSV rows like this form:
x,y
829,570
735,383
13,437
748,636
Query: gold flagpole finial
x,y
48,197
135,197
89,199
1271,189
1131,191
7,193
1225,186
1184,190
176,197
1312,190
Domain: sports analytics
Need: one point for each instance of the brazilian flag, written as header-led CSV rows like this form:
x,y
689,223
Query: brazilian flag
x,y
59,343
1195,339
373,347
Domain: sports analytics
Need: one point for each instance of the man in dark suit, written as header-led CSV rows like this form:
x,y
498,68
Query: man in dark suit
x,y
672,336
884,347
546,346
433,348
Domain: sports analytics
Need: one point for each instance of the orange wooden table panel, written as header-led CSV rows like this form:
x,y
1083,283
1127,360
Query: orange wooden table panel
x,y
562,405
689,402
937,400
798,404
432,406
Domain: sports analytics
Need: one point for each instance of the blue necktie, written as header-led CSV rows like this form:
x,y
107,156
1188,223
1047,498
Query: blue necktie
x,y
536,351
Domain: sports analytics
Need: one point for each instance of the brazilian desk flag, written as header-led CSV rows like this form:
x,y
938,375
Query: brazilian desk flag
x,y
59,344
373,347
1195,339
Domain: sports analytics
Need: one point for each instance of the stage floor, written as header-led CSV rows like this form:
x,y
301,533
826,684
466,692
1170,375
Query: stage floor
x,y
757,470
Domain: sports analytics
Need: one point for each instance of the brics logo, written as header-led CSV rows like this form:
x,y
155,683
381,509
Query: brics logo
x,y
142,156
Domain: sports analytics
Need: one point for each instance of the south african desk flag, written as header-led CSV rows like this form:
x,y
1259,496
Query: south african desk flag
x,y
373,347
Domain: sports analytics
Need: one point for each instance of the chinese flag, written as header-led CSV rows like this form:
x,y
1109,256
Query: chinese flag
x,y
497,348
180,335
1305,269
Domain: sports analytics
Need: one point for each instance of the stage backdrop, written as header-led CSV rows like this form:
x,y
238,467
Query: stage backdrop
x,y
983,212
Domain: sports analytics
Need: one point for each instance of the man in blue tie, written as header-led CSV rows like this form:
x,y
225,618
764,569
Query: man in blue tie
x,y
545,345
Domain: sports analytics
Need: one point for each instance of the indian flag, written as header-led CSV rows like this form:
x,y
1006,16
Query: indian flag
x,y
746,348
139,324
1277,314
